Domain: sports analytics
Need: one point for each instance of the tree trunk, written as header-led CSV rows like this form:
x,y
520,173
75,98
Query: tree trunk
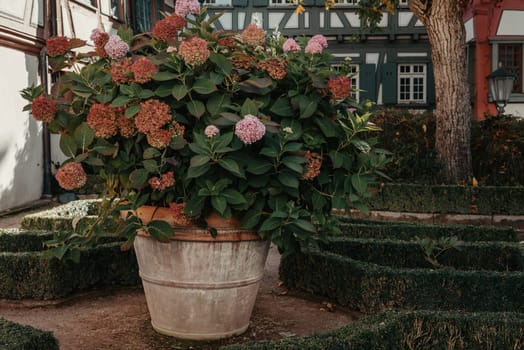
x,y
444,25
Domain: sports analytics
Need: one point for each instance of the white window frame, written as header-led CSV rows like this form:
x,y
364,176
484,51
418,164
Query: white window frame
x,y
278,3
411,76
347,2
353,77
218,3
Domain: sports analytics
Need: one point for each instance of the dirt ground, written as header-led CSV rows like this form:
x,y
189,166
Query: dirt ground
x,y
119,319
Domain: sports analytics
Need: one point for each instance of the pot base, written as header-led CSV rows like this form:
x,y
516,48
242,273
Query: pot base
x,y
199,336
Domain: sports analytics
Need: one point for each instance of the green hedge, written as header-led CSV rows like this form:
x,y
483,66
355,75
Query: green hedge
x,y
17,337
60,218
423,330
360,228
15,240
369,287
31,275
417,198
492,256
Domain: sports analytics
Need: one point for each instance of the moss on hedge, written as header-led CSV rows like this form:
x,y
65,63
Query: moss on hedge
x,y
15,240
391,330
17,337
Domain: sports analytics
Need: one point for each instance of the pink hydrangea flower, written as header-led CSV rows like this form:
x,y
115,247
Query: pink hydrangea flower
x,y
319,38
290,45
211,131
313,47
185,7
116,48
250,129
71,176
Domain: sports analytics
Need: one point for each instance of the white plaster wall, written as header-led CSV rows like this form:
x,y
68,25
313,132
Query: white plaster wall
x,y
470,33
515,109
21,168
511,23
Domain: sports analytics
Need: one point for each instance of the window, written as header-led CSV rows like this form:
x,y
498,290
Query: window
x,y
353,77
282,2
403,2
412,83
217,2
510,58
113,8
347,2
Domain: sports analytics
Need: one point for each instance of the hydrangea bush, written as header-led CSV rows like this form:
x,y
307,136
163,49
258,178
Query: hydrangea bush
x,y
250,125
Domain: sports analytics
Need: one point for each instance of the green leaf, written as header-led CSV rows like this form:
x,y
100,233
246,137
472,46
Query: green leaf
x,y
282,107
199,160
163,90
196,108
336,158
219,203
227,119
194,206
293,147
204,86
121,100
132,110
287,179
84,136
327,126
216,103
93,161
163,76
294,163
359,183
270,224
305,225
179,91
307,106
145,94
249,107
138,177
68,145
222,62
151,152
231,166
258,167
150,165
160,230
233,196
105,148
198,171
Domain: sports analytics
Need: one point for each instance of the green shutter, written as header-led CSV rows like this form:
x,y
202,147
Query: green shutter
x,y
367,82
430,85
389,84
319,2
308,2
260,3
240,3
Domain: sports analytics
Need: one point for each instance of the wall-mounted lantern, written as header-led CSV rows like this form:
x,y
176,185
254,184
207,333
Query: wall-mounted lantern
x,y
500,86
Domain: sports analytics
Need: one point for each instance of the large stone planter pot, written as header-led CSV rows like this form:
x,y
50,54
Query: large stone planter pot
x,y
199,287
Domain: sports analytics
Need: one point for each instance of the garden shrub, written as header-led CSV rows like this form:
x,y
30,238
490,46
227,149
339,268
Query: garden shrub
x,y
418,198
493,256
407,231
423,330
33,275
370,287
17,337
497,148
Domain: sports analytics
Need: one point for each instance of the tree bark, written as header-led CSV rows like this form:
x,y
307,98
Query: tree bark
x,y
447,35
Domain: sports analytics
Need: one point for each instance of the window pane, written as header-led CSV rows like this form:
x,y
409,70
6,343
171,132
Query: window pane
x,y
510,57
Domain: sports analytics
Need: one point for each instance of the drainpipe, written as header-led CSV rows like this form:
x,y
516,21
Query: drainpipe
x,y
49,30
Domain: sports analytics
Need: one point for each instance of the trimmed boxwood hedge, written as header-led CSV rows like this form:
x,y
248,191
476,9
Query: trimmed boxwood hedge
x,y
362,228
32,275
485,200
423,330
370,287
15,240
495,256
17,337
